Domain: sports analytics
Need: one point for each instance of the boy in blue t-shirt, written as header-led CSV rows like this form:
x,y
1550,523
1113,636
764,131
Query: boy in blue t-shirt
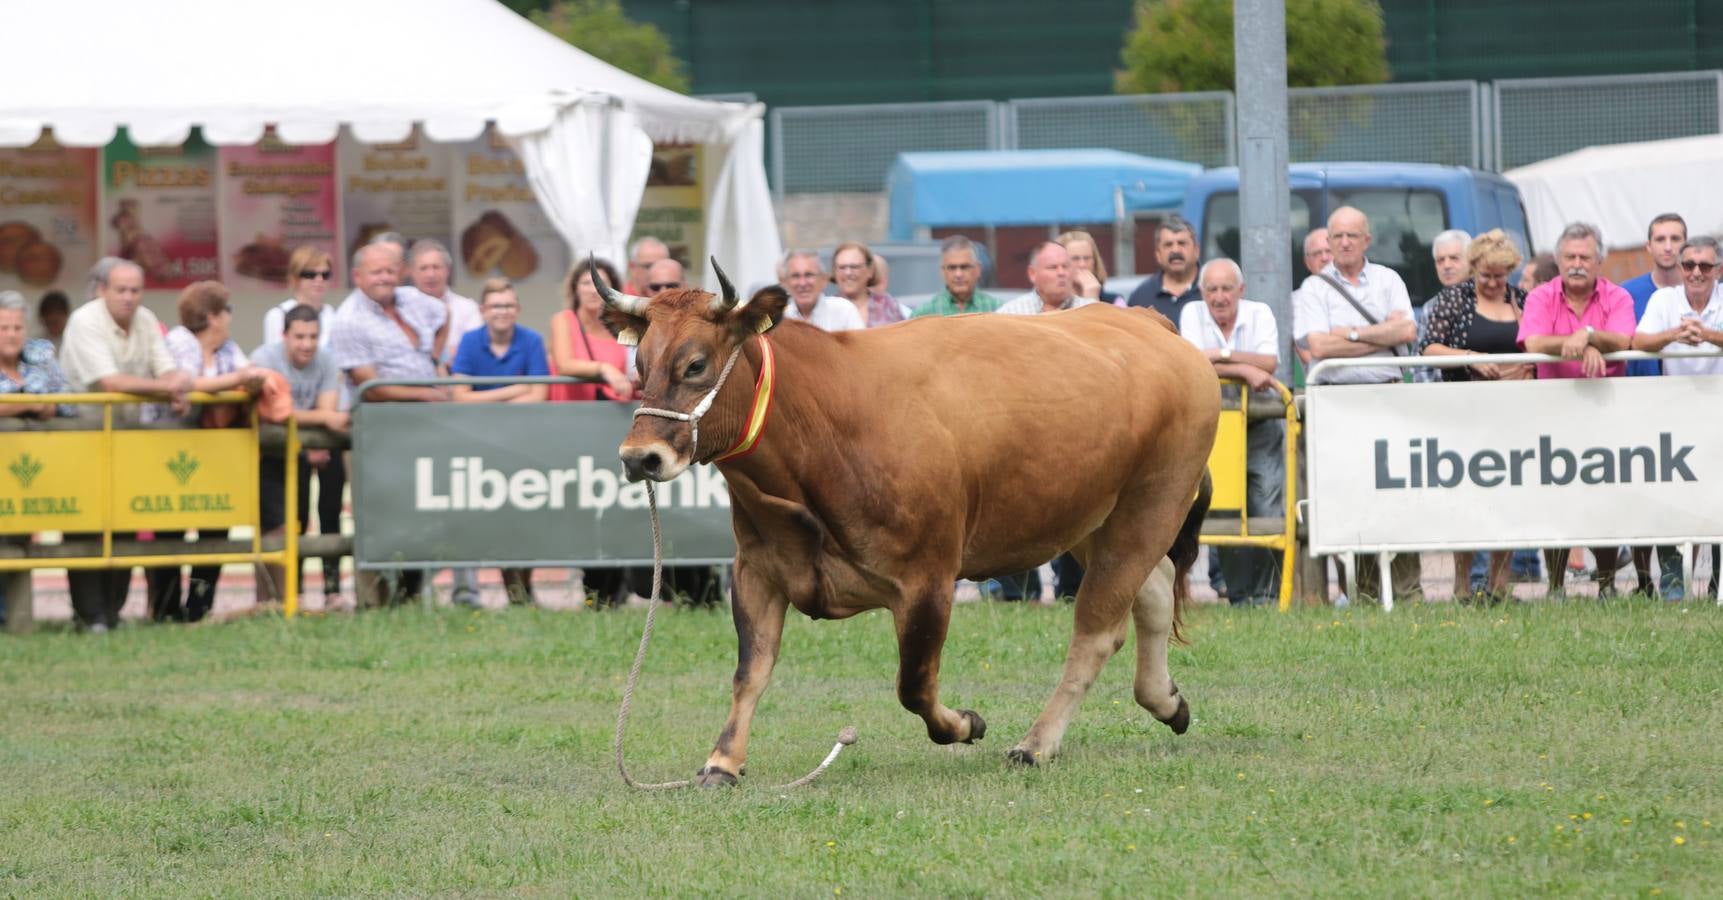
x,y
500,348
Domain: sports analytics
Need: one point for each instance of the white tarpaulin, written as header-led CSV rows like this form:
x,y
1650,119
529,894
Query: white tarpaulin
x,y
1620,188
312,66
1508,464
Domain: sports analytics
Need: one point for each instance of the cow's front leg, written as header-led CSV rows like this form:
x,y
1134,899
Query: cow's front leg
x,y
758,611
921,626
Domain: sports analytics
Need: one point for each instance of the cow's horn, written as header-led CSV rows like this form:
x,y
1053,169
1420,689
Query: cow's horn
x,y
726,299
628,303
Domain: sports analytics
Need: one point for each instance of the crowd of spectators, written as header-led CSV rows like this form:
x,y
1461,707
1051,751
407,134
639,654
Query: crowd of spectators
x,y
403,320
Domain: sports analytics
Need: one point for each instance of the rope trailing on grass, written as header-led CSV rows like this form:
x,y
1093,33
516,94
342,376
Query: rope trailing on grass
x,y
845,737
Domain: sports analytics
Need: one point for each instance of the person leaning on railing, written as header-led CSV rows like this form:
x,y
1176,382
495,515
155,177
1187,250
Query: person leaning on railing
x,y
114,344
1580,316
1242,341
1479,316
203,345
315,385
1680,320
581,345
27,365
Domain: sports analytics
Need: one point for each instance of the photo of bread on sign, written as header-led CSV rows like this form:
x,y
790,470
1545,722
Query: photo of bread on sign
x,y
493,244
23,253
264,259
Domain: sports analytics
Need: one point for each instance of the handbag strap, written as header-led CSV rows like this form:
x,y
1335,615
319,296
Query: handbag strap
x,y
1340,286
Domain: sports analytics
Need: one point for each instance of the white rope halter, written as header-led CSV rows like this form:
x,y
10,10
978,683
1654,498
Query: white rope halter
x,y
700,409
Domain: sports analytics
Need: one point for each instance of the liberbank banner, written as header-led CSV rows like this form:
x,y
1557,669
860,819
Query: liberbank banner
x,y
1515,464
535,484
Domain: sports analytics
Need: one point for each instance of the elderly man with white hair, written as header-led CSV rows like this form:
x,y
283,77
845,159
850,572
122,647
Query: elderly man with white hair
x,y
1241,339
804,279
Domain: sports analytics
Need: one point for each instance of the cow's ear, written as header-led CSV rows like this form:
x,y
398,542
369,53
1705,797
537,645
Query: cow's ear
x,y
762,312
627,327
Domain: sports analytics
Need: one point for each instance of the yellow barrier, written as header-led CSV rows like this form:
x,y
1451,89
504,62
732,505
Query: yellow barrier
x,y
1227,468
143,480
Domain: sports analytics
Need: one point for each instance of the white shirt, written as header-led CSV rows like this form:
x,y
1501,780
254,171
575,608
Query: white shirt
x,y
1317,306
830,314
1253,331
1665,310
1031,304
464,316
95,346
275,322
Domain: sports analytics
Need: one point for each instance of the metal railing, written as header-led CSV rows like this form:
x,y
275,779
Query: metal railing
x,y
1260,531
32,558
1385,557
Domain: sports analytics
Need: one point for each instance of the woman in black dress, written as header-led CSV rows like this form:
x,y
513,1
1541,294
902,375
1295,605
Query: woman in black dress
x,y
1478,317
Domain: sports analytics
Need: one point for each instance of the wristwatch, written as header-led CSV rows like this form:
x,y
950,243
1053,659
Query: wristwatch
x,y
1225,353
1352,335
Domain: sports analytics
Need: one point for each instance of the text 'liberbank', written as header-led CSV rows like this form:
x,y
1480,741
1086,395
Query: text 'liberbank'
x,y
1425,464
465,483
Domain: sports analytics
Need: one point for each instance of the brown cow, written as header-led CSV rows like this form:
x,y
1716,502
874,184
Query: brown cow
x,y
895,461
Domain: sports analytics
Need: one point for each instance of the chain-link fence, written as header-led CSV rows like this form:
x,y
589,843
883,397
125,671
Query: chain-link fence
x,y
849,148
1196,127
1434,122
1537,118
1463,123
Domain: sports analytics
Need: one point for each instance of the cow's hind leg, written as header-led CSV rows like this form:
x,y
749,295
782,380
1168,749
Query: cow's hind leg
x,y
1102,609
921,626
758,610
1155,689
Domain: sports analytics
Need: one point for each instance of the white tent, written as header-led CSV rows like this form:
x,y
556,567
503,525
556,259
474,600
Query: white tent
x,y
1622,187
583,128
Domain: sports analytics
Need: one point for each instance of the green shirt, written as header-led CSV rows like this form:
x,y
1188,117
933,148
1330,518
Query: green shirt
x,y
943,305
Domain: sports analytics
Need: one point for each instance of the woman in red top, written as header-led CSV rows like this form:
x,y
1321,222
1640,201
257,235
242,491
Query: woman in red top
x,y
581,347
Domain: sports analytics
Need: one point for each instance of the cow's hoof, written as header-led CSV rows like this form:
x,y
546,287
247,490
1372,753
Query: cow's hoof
x,y
977,725
1022,757
1181,719
712,776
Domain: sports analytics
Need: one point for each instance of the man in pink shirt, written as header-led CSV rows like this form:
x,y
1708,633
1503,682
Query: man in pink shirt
x,y
1580,316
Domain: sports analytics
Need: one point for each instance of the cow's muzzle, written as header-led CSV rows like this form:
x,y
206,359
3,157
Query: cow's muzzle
x,y
655,461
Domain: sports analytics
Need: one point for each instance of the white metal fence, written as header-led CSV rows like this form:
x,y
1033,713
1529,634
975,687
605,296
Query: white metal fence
x,y
1487,125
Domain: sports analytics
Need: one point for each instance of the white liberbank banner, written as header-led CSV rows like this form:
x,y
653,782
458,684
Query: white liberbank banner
x,y
1511,464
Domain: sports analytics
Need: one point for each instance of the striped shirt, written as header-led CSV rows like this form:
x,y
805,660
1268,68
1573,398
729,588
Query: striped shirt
x,y
1030,304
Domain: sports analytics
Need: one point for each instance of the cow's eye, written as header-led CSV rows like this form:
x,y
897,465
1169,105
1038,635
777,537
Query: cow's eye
x,y
694,369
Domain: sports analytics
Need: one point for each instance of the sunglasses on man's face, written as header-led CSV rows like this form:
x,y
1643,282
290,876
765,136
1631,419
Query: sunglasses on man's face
x,y
657,286
1688,265
308,274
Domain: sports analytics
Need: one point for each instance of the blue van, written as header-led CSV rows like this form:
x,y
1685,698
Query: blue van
x,y
1408,205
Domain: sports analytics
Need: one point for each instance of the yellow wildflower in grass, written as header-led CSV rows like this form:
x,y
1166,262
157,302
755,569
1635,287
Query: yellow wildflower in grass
x,y
1586,816
1130,848
1679,840
1627,821
1241,776
1680,825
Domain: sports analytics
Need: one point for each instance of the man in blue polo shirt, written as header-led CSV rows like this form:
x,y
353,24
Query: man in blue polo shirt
x,y
501,348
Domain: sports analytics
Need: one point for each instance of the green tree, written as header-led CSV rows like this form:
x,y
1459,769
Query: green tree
x,y
1186,45
600,28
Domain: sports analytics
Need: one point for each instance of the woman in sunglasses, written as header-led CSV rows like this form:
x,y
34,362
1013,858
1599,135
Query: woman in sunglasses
x,y
309,273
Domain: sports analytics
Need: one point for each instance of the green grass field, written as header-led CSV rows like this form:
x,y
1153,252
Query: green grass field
x,y
1535,749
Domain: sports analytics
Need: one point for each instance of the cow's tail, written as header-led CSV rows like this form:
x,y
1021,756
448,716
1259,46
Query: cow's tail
x,y
1184,553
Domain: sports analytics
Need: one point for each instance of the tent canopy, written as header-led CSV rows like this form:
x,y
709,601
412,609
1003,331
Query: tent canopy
x,y
233,66
584,128
1027,187
1622,187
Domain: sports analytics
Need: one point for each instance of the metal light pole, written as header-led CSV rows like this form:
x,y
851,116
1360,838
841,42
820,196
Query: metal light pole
x,y
1265,214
